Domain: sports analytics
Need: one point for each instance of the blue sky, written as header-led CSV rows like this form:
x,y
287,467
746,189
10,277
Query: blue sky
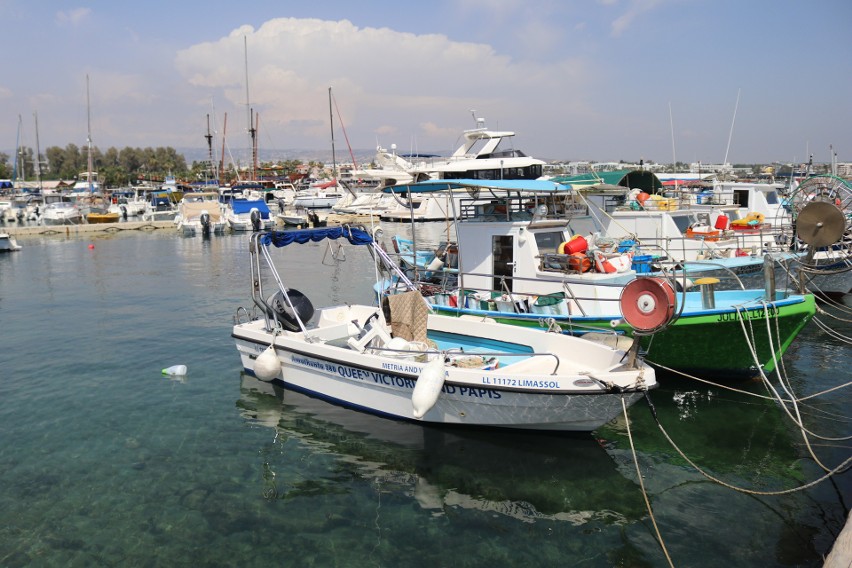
x,y
575,79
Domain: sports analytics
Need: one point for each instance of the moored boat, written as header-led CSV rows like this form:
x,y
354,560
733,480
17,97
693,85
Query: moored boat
x,y
514,262
415,365
8,243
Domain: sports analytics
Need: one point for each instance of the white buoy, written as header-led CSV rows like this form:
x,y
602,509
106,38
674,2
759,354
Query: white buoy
x,y
175,371
267,366
428,386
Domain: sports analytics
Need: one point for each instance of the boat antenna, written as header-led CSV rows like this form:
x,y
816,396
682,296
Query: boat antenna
x,y
731,133
671,126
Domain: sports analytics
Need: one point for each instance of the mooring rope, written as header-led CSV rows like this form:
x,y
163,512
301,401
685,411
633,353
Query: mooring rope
x,y
642,484
840,468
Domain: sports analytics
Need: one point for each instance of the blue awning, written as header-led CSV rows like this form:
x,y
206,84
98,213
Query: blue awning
x,y
525,185
246,205
301,236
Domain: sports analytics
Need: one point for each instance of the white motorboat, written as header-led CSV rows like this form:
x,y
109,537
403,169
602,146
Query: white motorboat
x,y
485,154
249,215
200,214
8,243
160,207
415,365
61,213
319,197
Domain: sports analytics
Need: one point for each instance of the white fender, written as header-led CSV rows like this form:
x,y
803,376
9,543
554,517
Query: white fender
x,y
428,386
267,366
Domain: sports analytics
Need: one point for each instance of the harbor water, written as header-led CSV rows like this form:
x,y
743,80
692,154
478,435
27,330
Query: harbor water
x,y
107,461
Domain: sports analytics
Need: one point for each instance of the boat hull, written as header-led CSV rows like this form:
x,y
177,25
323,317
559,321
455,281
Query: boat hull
x,y
706,343
567,399
93,218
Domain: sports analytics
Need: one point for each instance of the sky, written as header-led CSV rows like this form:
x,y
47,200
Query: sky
x,y
750,81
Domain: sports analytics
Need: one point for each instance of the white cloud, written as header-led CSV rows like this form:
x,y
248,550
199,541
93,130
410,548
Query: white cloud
x,y
635,9
72,17
384,81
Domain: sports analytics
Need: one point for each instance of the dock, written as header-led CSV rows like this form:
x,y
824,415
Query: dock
x,y
83,229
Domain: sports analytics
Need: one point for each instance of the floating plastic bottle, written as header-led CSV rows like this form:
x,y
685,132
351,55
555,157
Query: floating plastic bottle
x,y
175,371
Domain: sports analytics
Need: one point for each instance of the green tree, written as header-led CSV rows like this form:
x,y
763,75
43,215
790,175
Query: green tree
x,y
5,166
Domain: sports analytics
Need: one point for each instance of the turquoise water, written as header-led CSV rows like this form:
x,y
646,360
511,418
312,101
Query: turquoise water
x,y
107,462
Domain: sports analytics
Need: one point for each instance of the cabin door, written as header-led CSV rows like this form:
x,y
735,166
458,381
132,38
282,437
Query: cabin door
x,y
503,269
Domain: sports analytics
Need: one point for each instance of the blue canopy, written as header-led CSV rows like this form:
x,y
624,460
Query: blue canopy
x,y
246,205
355,236
525,185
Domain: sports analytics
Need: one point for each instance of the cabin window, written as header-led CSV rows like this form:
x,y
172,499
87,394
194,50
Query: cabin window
x,y
549,242
741,197
584,225
683,222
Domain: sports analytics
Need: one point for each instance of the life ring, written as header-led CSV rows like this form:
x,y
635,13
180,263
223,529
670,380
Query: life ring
x,y
648,304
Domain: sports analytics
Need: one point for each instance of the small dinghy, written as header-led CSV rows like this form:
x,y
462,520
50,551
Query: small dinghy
x,y
401,361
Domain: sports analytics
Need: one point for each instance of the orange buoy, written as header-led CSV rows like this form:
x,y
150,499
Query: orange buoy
x,y
580,262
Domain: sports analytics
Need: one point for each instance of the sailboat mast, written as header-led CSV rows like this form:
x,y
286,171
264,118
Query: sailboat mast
x,y
331,123
209,138
250,120
16,173
38,154
224,133
89,136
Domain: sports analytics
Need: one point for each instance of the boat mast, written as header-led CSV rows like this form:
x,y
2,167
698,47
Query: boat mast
x,y
251,129
18,155
37,163
89,137
331,123
209,138
224,132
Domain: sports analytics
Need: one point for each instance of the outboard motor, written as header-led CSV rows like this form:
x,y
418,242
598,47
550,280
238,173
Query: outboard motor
x,y
124,212
282,312
254,215
205,222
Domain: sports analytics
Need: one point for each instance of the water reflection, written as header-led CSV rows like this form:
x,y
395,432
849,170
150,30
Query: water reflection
x,y
526,476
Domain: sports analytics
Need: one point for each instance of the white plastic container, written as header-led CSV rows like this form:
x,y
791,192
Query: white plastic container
x,y
175,371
